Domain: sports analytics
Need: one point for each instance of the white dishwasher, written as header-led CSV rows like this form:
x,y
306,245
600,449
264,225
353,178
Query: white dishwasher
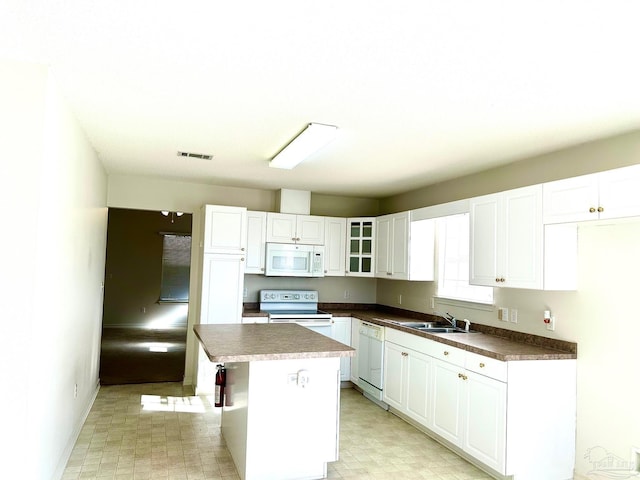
x,y
370,358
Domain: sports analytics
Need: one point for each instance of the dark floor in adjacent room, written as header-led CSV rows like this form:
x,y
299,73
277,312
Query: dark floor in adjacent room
x,y
140,355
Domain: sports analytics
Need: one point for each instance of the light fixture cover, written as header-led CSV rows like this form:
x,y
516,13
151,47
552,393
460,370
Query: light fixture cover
x,y
310,140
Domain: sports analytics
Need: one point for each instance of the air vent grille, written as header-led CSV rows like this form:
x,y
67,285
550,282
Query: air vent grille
x,y
201,156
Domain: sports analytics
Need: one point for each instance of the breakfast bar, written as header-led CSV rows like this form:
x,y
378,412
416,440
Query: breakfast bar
x,y
281,410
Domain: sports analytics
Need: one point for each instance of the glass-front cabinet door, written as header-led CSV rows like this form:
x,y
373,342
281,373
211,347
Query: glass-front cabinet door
x,y
360,245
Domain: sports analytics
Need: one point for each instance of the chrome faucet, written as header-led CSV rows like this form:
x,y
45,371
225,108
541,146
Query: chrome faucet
x,y
449,318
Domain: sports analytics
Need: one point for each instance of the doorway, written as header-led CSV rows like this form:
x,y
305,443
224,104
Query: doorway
x,y
144,322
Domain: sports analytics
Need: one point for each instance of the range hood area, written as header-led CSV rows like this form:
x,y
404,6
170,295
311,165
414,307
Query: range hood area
x,y
293,201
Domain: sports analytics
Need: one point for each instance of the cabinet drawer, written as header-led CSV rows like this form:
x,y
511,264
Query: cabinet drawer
x,y
489,367
448,353
407,340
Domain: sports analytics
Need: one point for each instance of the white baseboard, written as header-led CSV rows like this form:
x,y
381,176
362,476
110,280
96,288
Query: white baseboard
x,y
62,464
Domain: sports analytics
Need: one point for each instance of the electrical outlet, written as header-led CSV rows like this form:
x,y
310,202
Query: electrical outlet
x,y
514,315
75,391
400,299
551,325
303,378
503,314
433,302
347,294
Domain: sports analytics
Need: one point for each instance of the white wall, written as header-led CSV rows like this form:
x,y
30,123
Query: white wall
x,y
55,267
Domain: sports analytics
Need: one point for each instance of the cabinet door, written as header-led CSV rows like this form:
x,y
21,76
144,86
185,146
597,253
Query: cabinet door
x,y
310,229
281,227
506,239
360,247
383,245
256,239
447,398
483,262
394,390
400,246
222,287
418,373
571,200
520,244
485,420
335,231
619,195
225,229
341,332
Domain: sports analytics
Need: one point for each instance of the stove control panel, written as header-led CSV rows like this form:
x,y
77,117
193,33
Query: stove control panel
x,y
289,296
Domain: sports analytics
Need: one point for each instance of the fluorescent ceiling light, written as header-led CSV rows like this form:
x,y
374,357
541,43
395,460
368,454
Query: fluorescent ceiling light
x,y
310,140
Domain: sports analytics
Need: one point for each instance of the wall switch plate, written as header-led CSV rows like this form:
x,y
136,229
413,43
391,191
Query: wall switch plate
x,y
503,314
400,299
514,315
433,302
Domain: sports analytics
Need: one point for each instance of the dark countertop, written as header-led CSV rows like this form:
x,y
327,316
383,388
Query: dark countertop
x,y
498,343
266,341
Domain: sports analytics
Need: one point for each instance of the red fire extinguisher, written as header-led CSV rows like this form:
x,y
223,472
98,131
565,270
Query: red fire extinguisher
x,y
221,378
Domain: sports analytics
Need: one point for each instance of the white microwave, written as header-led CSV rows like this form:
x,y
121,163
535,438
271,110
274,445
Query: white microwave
x,y
294,260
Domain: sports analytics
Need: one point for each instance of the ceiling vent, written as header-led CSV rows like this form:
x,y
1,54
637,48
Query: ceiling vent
x,y
201,156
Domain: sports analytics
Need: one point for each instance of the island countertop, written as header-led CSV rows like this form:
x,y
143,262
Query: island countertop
x,y
266,341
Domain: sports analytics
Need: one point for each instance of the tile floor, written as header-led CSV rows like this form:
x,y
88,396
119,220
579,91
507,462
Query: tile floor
x,y
160,431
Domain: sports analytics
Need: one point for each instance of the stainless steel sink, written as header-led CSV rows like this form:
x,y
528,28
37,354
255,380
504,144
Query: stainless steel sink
x,y
430,327
412,323
443,330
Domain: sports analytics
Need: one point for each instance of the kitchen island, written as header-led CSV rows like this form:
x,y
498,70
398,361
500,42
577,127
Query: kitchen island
x,y
281,413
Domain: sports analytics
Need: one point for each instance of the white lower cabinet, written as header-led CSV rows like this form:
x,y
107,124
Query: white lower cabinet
x,y
406,387
484,419
341,331
355,336
469,410
514,418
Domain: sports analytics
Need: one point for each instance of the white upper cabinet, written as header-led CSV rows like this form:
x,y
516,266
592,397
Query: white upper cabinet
x,y
506,239
360,246
225,229
335,234
256,240
290,228
404,248
392,246
599,196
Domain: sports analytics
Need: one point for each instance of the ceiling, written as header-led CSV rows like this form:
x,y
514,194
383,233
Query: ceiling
x,y
422,91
